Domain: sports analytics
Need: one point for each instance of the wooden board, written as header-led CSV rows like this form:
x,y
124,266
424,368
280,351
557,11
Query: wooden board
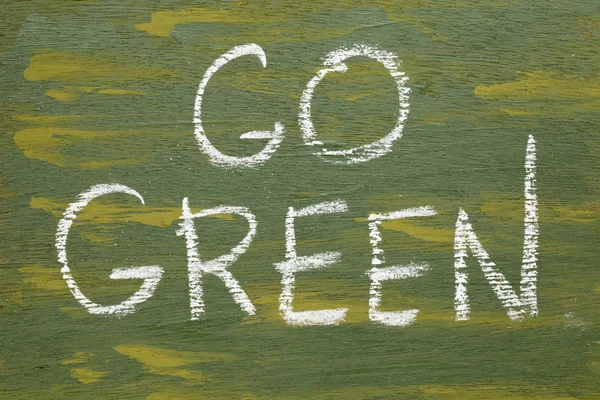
x,y
499,244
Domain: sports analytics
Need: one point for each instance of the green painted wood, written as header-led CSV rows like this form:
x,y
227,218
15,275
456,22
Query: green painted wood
x,y
99,92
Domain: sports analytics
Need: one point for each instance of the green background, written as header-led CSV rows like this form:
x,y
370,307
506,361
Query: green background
x,y
102,92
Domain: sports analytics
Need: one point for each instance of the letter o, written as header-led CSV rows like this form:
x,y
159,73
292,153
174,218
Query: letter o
x,y
334,61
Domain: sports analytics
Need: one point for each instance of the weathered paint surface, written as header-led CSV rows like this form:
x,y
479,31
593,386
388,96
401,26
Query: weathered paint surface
x,y
103,92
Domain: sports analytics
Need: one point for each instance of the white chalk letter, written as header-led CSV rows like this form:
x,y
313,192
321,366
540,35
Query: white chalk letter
x,y
216,157
151,275
294,264
217,266
334,62
378,275
517,307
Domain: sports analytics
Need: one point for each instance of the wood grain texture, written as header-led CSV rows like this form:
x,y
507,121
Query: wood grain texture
x,y
97,91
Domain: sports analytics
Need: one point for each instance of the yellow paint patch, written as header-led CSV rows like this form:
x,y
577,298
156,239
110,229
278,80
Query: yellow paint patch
x,y
85,89
79,357
46,144
162,22
418,230
106,212
501,206
169,362
44,279
158,357
540,85
75,67
105,164
70,93
86,375
63,95
43,119
436,234
275,27
518,111
581,214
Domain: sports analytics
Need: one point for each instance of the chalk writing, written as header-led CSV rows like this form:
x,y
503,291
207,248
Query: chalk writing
x,y
334,61
150,274
379,274
216,157
517,307
218,266
295,264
